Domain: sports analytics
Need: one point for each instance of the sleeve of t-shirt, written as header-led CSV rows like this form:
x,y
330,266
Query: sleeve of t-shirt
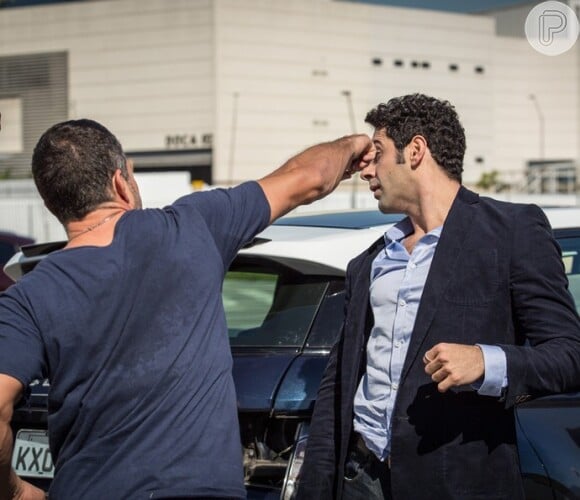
x,y
233,216
21,346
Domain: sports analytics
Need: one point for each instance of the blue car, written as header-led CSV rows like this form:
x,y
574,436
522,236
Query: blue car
x,y
284,297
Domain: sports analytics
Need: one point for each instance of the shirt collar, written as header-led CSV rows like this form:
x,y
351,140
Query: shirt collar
x,y
404,228
400,230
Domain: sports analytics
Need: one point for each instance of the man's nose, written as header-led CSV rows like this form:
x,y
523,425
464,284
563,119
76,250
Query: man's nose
x,y
368,172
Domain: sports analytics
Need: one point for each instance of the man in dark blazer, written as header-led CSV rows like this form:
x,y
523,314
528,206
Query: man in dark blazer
x,y
460,312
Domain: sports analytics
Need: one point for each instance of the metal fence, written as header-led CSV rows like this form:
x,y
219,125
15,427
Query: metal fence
x,y
29,217
23,212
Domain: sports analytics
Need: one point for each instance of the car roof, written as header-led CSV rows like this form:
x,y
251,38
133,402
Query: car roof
x,y
559,217
563,217
353,219
321,242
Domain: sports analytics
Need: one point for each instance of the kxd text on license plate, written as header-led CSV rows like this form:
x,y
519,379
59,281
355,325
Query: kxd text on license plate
x,y
31,456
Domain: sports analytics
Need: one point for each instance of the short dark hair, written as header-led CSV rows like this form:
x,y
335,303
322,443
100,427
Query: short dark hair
x,y
434,119
73,164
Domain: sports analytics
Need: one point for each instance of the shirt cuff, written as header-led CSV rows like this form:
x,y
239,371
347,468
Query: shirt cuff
x,y
495,376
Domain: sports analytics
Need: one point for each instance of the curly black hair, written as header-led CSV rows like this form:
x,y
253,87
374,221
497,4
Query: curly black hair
x,y
437,121
73,164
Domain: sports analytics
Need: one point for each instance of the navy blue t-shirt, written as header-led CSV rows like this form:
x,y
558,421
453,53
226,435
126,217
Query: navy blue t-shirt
x,y
134,340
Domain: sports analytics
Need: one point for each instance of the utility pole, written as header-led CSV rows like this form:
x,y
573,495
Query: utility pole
x,y
233,138
534,99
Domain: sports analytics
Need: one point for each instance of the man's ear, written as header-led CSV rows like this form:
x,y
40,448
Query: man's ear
x,y
120,185
417,149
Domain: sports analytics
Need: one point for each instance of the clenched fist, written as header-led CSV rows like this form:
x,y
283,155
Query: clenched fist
x,y
452,365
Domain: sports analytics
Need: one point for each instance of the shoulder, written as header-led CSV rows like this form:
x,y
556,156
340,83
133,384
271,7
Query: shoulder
x,y
517,215
39,287
505,210
238,201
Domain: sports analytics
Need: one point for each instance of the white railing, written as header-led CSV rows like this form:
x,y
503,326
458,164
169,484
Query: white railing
x,y
28,217
22,210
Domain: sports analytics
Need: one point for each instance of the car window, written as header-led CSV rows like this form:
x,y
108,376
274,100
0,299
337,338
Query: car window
x,y
326,328
270,308
571,257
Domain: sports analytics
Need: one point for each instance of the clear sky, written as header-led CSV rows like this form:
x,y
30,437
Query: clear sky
x,y
449,5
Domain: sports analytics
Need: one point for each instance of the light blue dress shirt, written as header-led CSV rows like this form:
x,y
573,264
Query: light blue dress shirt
x,y
397,282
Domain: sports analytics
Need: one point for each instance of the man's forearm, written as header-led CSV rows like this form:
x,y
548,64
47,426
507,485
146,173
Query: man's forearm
x,y
8,478
315,172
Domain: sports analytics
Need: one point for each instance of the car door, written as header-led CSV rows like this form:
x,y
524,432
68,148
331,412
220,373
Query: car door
x,y
549,428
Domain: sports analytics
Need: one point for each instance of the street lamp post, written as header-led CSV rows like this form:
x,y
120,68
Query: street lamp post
x,y
348,95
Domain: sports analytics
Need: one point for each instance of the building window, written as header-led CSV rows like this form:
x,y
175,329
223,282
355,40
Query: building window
x,y
453,67
479,69
421,64
377,61
398,63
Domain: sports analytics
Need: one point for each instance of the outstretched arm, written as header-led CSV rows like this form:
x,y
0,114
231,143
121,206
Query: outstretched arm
x,y
314,173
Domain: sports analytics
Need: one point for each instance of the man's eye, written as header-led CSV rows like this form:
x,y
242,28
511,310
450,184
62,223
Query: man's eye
x,y
377,157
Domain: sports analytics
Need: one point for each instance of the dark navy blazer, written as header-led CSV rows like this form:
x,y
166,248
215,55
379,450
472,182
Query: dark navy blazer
x,y
497,278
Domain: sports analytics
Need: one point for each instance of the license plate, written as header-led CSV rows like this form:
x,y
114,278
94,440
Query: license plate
x,y
31,456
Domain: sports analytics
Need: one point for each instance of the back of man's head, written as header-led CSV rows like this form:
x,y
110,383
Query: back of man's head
x,y
73,164
436,120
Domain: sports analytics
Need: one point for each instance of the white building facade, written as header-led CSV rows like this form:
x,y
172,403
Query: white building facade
x,y
229,89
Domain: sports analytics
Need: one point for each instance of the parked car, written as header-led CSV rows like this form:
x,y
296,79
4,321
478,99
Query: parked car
x,y
284,297
10,243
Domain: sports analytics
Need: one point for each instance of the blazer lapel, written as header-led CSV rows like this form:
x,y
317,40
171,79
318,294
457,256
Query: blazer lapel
x,y
455,230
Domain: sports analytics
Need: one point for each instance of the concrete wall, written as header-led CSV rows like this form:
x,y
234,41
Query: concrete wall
x,y
144,68
521,72
289,62
266,78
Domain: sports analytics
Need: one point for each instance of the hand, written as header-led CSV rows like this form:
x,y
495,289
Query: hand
x,y
361,158
452,365
27,491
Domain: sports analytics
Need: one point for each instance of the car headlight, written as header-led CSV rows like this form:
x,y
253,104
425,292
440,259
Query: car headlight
x,y
295,462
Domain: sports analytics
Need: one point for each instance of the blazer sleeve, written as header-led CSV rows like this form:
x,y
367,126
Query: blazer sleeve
x,y
318,473
547,357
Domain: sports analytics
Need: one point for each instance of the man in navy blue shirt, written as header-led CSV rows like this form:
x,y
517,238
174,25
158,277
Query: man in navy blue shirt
x,y
127,320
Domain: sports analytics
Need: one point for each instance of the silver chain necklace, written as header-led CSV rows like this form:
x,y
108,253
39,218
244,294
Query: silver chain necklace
x,y
96,225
